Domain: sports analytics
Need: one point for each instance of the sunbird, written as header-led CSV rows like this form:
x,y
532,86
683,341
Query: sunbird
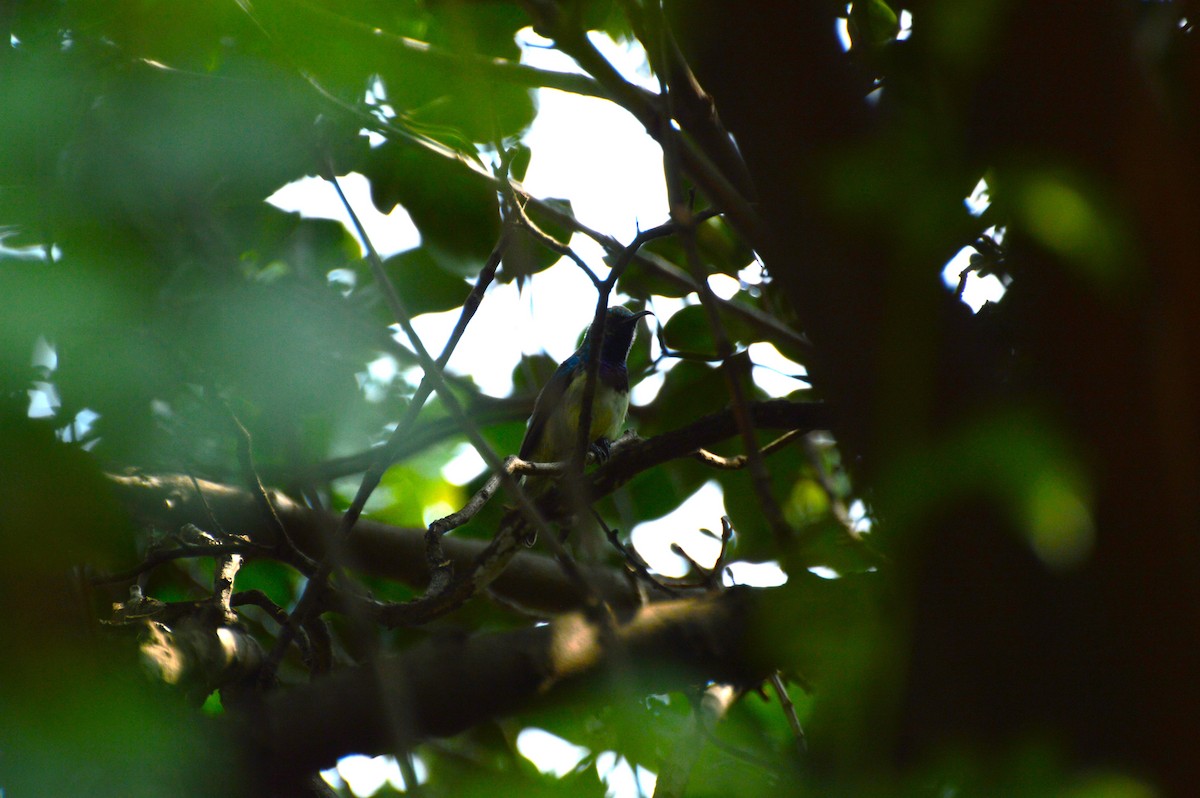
x,y
554,426
553,431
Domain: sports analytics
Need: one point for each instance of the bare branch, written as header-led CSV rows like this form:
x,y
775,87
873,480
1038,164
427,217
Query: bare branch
x,y
739,461
789,711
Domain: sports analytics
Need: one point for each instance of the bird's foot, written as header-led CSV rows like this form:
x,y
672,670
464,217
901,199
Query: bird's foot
x,y
600,451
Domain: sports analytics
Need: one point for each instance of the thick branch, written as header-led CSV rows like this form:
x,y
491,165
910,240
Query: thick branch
x,y
444,686
169,501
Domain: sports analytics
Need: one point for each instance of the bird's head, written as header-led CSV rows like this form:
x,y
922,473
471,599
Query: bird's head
x,y
620,324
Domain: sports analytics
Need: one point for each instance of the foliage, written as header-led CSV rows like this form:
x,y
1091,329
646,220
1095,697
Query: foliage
x,y
1027,472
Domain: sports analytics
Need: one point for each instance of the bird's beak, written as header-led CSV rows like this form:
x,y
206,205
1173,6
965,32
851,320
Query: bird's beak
x,y
633,319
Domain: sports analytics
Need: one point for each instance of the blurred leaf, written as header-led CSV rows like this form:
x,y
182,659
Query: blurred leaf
x,y
1023,463
188,38
290,350
961,33
658,491
690,332
641,282
720,249
520,161
532,373
872,23
97,704
463,95
506,437
163,140
689,391
488,28
405,494
41,90
1073,219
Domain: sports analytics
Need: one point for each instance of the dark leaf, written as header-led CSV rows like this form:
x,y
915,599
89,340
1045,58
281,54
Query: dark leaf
x,y
423,285
455,208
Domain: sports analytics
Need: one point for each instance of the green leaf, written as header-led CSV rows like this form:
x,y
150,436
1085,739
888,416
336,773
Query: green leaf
x,y
463,94
275,579
641,282
454,207
755,539
690,390
423,284
873,23
531,373
720,248
520,161
1071,216
689,331
526,255
162,140
405,493
659,491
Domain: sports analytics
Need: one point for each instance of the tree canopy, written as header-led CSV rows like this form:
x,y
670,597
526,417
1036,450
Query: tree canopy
x,y
221,571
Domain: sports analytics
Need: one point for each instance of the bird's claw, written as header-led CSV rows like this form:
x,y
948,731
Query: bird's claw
x,y
600,450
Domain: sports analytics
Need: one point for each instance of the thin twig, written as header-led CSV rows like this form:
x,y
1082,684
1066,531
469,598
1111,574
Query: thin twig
x,y
257,489
256,598
633,559
162,556
212,518
789,711
739,461
517,204
440,570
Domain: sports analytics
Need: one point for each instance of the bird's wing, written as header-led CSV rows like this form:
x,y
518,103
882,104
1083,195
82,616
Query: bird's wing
x,y
547,403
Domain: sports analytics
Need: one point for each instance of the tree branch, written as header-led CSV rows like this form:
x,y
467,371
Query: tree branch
x,y
444,686
169,501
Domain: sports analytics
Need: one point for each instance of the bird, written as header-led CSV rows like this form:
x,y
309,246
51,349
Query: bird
x,y
553,430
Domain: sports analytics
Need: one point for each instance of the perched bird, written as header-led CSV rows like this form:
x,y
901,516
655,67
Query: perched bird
x,y
554,426
553,431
